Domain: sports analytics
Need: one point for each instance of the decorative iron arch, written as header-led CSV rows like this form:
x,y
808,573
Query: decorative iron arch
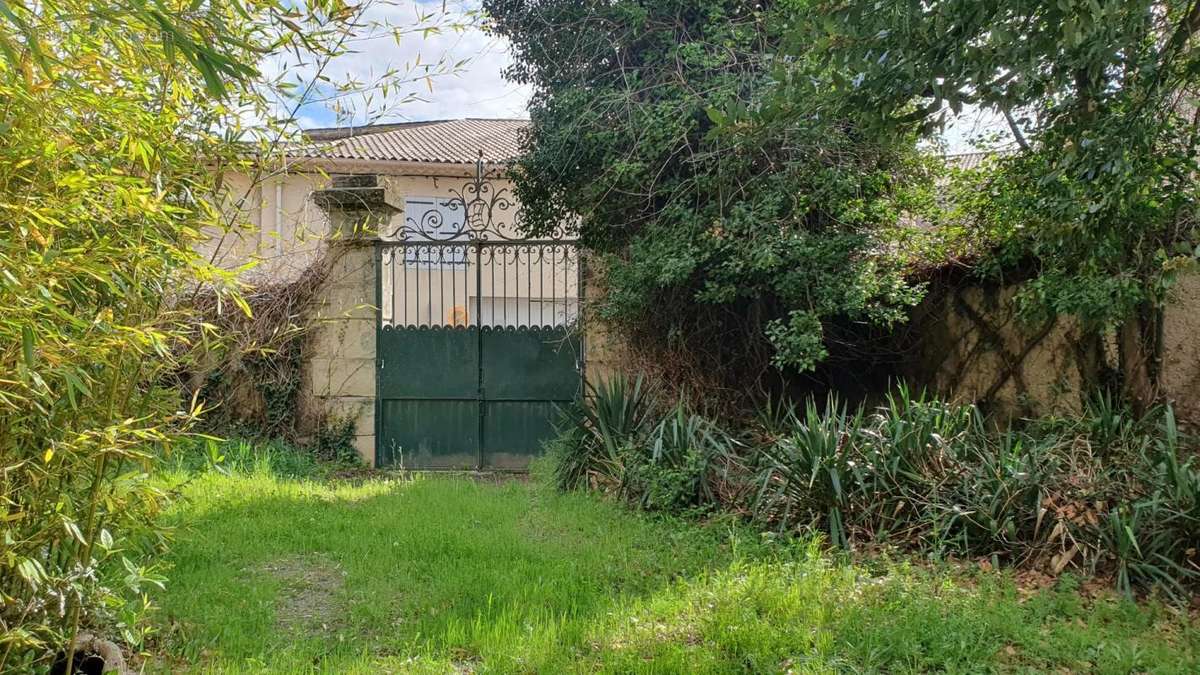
x,y
488,211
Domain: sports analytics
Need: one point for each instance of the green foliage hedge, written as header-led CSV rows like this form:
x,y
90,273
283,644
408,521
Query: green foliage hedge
x,y
739,169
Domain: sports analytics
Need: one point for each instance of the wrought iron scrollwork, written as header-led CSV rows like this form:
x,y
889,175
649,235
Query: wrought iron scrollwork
x,y
464,262
489,213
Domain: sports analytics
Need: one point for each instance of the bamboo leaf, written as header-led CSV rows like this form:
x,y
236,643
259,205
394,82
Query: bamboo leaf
x,y
27,346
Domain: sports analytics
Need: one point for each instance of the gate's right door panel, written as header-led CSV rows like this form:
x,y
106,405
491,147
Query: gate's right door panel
x,y
527,373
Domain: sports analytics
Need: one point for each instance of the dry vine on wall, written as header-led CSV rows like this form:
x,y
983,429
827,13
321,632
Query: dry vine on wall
x,y
252,370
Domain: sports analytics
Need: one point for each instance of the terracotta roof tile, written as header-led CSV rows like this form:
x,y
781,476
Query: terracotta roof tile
x,y
439,141
974,160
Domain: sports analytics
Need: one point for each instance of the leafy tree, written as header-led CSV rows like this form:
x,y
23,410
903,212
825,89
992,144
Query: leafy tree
x,y
735,206
1097,210
101,163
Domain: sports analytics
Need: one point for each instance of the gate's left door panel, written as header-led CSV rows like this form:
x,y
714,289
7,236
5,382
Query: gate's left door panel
x,y
428,384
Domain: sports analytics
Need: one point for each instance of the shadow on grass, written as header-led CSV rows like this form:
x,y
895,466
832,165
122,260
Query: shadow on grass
x,y
449,574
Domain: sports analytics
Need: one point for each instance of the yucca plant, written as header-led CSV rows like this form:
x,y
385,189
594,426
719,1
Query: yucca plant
x,y
593,433
775,417
1144,550
1112,492
919,432
1111,424
1181,478
809,474
907,449
1155,539
675,467
993,498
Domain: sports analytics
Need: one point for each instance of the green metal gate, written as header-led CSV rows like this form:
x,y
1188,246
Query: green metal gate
x,y
478,341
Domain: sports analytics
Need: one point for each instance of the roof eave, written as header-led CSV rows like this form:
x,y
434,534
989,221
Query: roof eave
x,y
390,167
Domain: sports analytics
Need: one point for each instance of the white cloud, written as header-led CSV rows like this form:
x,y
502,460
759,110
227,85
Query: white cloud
x,y
476,89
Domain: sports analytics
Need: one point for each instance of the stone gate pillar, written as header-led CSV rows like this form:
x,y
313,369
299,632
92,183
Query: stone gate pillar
x,y
340,375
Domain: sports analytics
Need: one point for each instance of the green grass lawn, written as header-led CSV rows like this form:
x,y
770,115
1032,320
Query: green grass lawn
x,y
444,574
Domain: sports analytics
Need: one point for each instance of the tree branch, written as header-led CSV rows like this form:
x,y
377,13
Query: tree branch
x,y
1016,130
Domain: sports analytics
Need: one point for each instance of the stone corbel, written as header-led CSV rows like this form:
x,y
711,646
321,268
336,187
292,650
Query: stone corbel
x,y
359,207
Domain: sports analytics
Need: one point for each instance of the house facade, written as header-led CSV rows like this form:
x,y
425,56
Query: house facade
x,y
448,336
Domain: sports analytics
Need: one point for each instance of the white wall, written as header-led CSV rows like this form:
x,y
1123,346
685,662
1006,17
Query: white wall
x,y
280,232
275,229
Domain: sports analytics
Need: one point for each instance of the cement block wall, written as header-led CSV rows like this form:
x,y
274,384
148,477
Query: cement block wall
x,y
971,346
340,372
1180,368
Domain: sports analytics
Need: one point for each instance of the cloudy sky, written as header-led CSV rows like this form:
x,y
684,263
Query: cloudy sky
x,y
464,64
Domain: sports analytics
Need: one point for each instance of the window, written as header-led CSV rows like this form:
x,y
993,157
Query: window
x,y
432,219
521,311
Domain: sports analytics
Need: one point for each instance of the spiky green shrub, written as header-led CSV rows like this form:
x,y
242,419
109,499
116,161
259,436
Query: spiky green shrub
x,y
1107,491
593,434
809,474
620,441
1154,539
676,467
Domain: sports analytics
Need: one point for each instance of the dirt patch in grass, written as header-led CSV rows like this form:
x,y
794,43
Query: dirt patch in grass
x,y
308,602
